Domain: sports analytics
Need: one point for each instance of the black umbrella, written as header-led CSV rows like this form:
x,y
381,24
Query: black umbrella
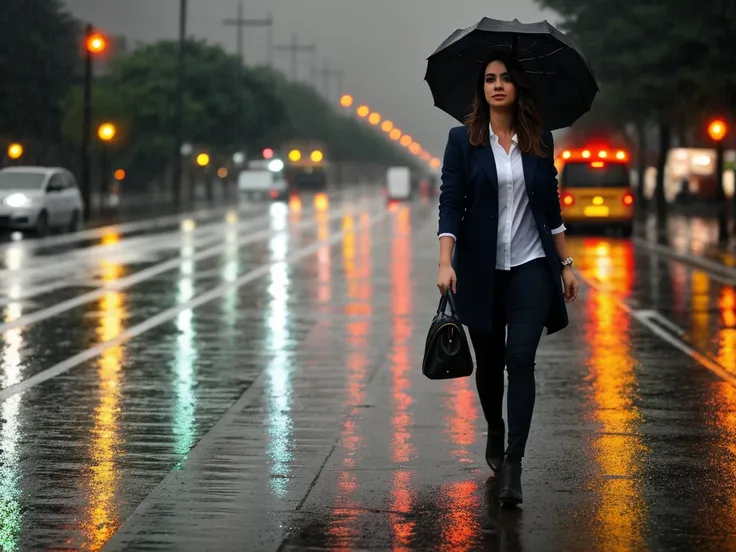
x,y
555,66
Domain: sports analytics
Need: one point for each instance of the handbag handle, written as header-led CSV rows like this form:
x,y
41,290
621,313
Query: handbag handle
x,y
447,297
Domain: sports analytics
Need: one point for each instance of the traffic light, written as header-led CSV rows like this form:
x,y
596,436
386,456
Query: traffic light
x,y
96,43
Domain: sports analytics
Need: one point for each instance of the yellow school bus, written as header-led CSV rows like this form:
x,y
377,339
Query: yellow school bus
x,y
595,188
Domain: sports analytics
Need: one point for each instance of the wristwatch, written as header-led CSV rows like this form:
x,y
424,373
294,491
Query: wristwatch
x,y
567,262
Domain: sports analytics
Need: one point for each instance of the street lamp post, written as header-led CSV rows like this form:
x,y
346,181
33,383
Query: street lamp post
x,y
717,131
94,44
179,106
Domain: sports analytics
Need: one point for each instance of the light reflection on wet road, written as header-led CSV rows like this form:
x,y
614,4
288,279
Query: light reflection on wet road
x,y
289,411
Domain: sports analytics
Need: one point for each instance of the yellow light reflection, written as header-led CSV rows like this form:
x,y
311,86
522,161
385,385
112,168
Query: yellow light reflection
x,y
102,517
618,447
11,433
14,256
110,237
700,334
724,405
321,201
324,258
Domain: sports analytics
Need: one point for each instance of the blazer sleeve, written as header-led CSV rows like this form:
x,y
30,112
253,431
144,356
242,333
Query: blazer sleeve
x,y
453,187
553,210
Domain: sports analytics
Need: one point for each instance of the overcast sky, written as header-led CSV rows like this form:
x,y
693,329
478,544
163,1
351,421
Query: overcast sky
x,y
381,45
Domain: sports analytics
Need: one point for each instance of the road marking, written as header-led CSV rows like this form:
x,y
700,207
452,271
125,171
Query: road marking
x,y
171,313
719,272
646,318
122,228
148,273
204,235
657,316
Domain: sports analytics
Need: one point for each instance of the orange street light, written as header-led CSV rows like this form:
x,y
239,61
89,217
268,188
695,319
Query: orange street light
x,y
415,148
406,140
387,126
717,130
96,43
119,175
15,151
106,132
346,100
363,111
434,163
374,118
395,134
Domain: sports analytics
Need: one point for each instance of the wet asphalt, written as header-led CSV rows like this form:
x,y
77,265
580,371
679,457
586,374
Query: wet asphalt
x,y
250,380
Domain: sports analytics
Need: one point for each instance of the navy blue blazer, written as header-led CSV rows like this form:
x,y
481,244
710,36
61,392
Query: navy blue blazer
x,y
469,210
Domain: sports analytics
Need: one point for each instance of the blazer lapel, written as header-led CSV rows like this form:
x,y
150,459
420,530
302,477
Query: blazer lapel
x,y
529,162
488,163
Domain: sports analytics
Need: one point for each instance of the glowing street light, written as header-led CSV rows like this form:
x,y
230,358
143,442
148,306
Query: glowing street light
x,y
346,100
406,140
106,132
203,160
363,111
395,134
15,151
434,163
415,148
374,118
96,43
717,130
119,175
387,126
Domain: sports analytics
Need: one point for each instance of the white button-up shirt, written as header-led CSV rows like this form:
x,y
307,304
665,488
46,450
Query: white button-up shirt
x,y
518,239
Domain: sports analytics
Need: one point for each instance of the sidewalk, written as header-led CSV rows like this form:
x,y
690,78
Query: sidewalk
x,y
691,239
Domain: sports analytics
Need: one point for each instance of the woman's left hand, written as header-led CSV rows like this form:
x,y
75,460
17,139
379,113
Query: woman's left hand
x,y
570,283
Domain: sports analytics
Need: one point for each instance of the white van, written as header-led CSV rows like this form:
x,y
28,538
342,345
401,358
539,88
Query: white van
x,y
263,179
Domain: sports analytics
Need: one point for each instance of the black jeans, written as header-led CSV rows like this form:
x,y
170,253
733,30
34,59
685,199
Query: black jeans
x,y
522,301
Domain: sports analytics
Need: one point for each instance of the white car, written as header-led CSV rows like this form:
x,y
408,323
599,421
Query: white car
x,y
39,198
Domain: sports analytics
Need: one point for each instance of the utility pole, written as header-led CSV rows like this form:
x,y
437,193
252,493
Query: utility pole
x,y
295,48
327,74
241,23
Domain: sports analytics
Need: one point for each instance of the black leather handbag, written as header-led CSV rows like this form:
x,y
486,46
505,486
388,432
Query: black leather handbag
x,y
446,352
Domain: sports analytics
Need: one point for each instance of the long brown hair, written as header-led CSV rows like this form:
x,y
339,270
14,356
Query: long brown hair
x,y
526,120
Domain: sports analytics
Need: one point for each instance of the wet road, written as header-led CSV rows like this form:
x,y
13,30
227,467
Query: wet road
x,y
251,381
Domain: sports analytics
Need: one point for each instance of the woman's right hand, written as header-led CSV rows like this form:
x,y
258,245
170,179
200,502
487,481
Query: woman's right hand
x,y
446,279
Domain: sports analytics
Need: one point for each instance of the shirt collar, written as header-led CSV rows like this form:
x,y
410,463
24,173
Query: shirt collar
x,y
494,136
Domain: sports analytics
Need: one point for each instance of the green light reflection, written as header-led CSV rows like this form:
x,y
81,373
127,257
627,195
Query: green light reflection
x,y
185,429
10,494
279,420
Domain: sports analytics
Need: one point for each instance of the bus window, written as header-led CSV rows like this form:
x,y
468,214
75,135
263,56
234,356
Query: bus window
x,y
596,174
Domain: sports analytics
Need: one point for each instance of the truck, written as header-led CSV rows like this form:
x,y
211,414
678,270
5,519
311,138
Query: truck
x,y
398,183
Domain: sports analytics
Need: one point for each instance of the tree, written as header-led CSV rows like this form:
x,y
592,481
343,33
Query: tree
x,y
227,107
38,54
666,60
309,116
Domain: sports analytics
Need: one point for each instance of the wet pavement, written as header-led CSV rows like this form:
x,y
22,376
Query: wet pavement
x,y
252,382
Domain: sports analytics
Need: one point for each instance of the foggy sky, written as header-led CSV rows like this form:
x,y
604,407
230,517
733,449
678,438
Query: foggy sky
x,y
381,45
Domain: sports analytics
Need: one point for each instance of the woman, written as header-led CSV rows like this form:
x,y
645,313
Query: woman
x,y
503,252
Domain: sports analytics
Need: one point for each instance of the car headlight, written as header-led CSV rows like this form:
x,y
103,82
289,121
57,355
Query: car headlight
x,y
276,165
17,200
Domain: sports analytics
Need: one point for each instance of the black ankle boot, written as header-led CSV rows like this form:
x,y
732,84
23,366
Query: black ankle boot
x,y
509,490
495,447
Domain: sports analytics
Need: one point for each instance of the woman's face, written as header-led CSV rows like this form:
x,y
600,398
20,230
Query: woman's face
x,y
498,88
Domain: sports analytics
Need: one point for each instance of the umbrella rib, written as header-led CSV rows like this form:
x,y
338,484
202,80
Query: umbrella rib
x,y
543,55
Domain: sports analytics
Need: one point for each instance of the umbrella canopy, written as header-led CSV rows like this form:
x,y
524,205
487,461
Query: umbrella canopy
x,y
554,64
